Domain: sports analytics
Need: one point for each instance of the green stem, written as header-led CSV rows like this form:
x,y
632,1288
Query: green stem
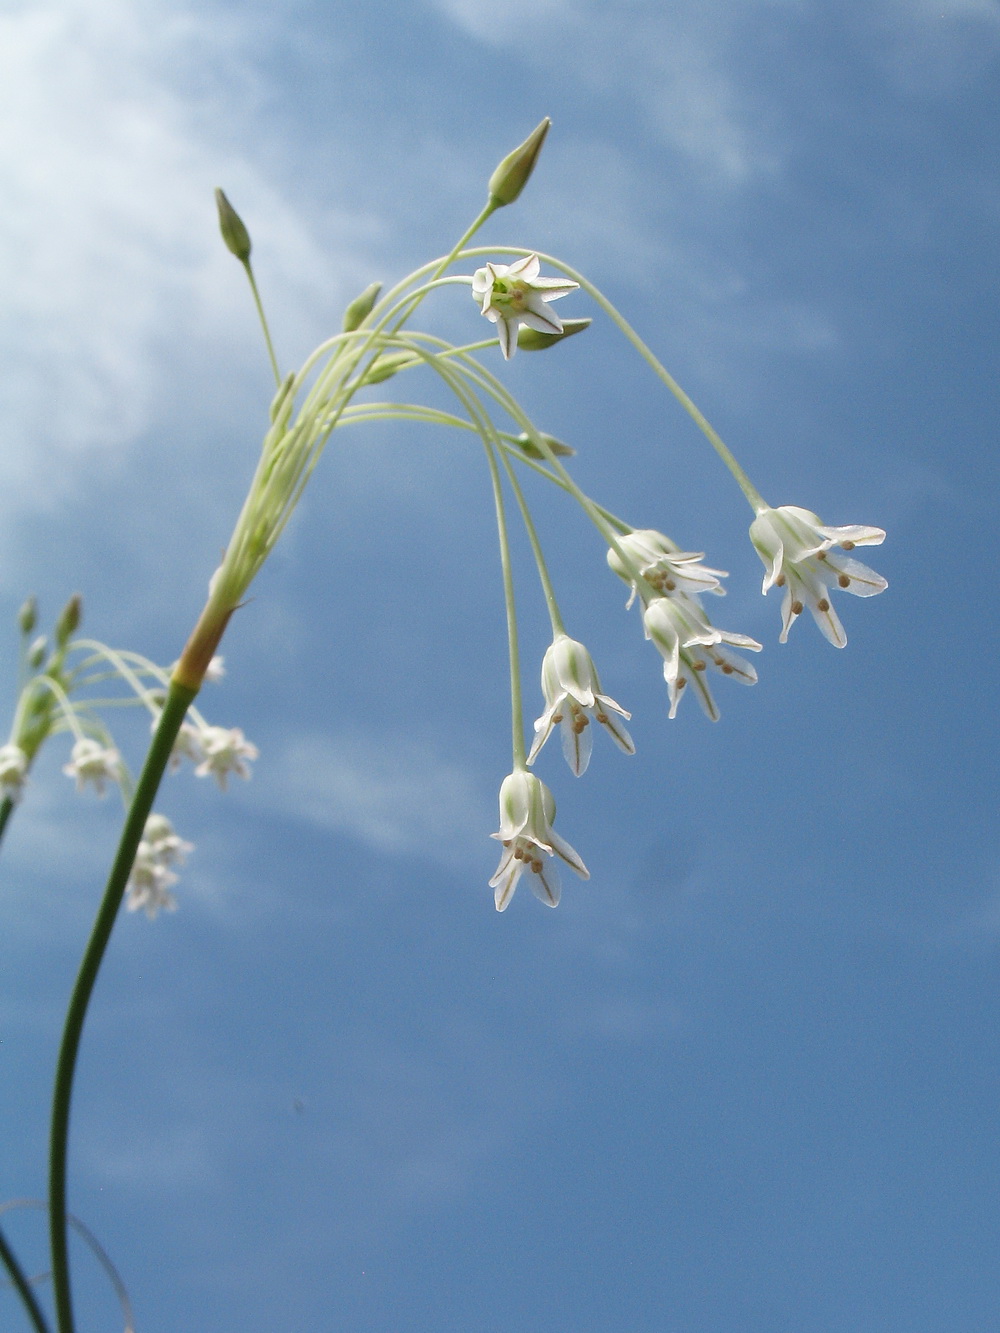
x,y
536,548
23,1286
263,322
178,700
6,810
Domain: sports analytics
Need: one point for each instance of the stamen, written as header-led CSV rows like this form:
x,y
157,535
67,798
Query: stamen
x,y
681,682
844,581
601,717
779,582
848,546
820,555
823,605
699,665
536,867
670,585
557,717
796,608
728,668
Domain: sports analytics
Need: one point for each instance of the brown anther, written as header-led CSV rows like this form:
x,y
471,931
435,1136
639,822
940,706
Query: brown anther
x,y
844,581
699,665
580,724
670,585
536,867
557,717
727,668
848,546
602,718
519,854
823,605
681,682
796,608
779,582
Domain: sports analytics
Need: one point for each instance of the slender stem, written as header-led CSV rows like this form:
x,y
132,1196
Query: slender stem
x,y
536,547
23,1286
175,708
6,810
263,322
516,706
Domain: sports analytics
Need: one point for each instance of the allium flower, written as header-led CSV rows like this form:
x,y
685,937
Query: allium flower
x,y
513,294
664,565
216,669
90,761
13,771
794,547
573,696
224,751
689,644
151,877
527,809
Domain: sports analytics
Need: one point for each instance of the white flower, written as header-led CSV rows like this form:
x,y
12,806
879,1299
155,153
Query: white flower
x,y
513,294
13,771
224,751
527,809
664,565
573,695
187,745
90,761
681,631
794,546
216,669
151,877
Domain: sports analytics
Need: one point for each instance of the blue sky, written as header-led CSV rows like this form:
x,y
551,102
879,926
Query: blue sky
x,y
746,1077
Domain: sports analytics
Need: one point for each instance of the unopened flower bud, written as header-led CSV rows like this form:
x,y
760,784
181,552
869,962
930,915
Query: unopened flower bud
x,y
234,233
361,307
528,446
386,366
36,653
534,340
511,176
27,617
69,621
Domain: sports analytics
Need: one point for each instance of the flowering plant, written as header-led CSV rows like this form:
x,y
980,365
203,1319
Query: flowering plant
x,y
332,390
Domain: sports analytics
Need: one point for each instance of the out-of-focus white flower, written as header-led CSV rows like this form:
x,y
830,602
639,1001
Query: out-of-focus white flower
x,y
572,692
527,809
794,546
216,669
513,294
90,761
689,644
13,771
151,877
664,565
224,751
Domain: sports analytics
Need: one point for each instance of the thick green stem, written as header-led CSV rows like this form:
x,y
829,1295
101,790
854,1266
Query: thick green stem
x,y
22,1286
178,700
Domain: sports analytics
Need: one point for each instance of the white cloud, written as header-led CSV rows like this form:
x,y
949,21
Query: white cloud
x,y
391,793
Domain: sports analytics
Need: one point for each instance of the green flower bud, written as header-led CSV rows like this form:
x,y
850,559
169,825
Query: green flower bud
x,y
511,176
361,307
234,233
533,340
386,366
69,621
528,446
27,617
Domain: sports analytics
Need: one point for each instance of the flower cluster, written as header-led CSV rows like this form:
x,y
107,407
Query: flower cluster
x,y
152,875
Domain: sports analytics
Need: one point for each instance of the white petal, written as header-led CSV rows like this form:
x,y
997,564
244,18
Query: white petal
x,y
507,335
864,582
544,884
858,534
537,315
577,745
526,268
562,848
611,724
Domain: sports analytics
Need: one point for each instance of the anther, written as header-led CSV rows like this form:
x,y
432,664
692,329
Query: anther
x,y
727,668
699,665
844,581
557,717
796,608
848,546
823,605
601,717
820,555
779,582
681,682
670,585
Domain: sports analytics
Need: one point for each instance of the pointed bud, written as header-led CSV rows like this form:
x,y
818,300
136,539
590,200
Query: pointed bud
x,y
528,446
361,307
533,340
234,233
69,621
36,653
511,176
386,366
27,617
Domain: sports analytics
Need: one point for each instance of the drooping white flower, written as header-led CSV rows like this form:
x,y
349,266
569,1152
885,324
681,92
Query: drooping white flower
x,y
224,751
690,644
90,761
216,669
13,771
794,546
151,877
527,809
664,565
572,692
513,294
